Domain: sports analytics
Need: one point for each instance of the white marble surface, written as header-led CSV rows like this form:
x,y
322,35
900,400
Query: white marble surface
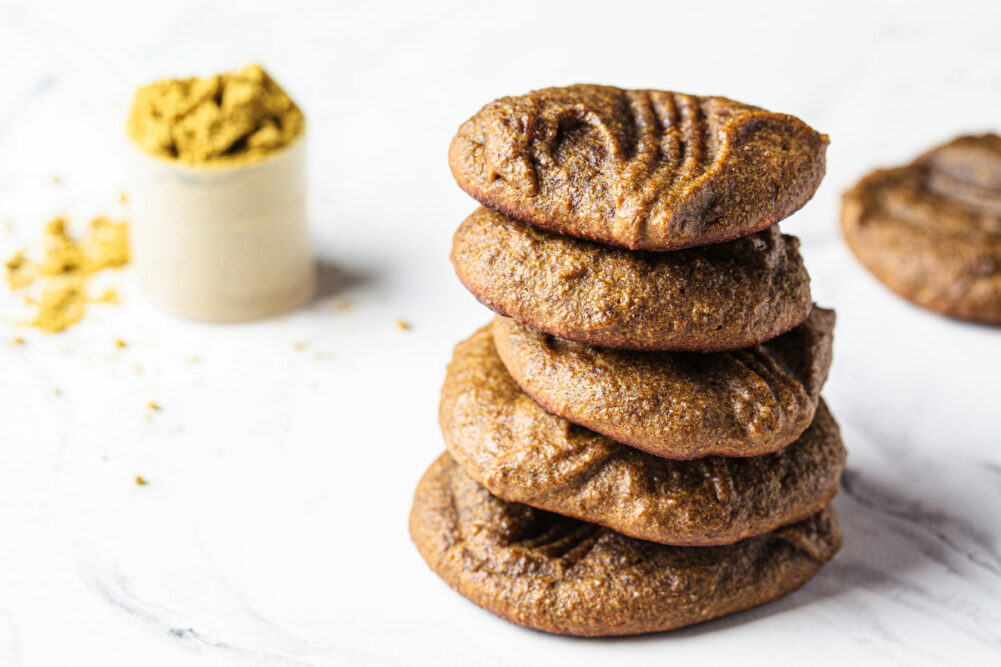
x,y
273,529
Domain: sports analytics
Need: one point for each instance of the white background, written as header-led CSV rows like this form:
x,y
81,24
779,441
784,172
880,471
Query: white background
x,y
274,526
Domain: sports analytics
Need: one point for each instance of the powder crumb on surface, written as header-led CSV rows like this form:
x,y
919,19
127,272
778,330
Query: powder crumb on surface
x,y
55,284
17,341
403,325
120,344
234,117
138,369
141,481
56,180
300,346
18,277
57,392
154,406
123,197
193,360
110,295
343,305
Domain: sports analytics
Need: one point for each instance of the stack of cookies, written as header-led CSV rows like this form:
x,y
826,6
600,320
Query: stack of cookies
x,y
637,442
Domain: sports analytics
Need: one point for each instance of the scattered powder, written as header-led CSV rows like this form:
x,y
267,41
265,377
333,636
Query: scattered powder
x,y
403,325
141,481
154,406
62,305
57,392
120,344
56,180
56,284
233,117
123,197
300,346
193,360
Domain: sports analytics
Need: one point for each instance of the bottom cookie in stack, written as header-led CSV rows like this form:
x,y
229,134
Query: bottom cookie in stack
x,y
552,573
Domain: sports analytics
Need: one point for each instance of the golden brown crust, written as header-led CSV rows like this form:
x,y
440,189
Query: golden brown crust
x,y
550,573
720,297
931,231
641,169
678,405
521,453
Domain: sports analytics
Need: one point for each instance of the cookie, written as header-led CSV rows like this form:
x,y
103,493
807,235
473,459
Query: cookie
x,y
556,574
521,453
931,231
641,169
678,405
719,297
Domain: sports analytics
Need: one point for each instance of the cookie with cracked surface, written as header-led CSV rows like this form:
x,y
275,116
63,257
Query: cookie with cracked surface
x,y
720,297
505,441
931,230
678,405
641,169
560,575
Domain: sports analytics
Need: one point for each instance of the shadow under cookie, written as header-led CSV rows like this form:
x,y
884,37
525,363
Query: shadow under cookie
x,y
721,297
677,405
510,445
560,575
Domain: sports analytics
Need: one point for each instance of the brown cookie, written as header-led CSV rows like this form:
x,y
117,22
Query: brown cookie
x,y
551,573
641,169
719,297
678,405
931,231
521,453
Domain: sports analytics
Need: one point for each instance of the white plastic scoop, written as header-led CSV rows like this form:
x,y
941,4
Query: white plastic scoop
x,y
222,243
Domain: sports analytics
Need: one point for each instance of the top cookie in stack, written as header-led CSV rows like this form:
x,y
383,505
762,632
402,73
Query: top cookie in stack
x,y
640,169
638,442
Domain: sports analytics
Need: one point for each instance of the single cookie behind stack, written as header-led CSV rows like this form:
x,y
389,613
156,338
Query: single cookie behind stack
x,y
931,230
637,442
